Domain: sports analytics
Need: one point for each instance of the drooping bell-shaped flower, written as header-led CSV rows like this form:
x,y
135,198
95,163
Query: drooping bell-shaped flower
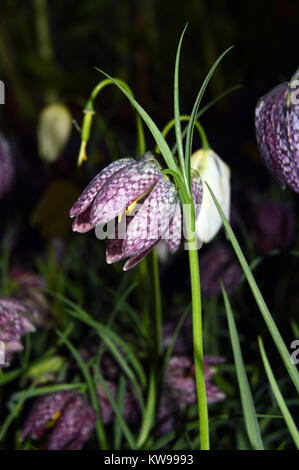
x,y
217,174
140,191
219,263
273,225
53,131
63,418
14,324
277,131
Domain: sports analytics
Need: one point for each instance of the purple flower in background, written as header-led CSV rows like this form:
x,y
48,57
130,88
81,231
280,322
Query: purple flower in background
x,y
180,379
180,389
7,167
219,263
14,324
63,418
273,226
277,131
30,289
140,191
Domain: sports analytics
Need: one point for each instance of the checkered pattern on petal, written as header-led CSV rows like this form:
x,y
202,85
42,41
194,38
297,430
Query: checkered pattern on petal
x,y
123,189
173,236
44,411
96,184
152,219
267,116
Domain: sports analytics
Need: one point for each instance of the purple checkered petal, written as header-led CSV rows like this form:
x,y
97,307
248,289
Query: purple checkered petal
x,y
173,236
267,116
285,154
134,260
12,324
88,423
13,346
214,394
292,119
69,426
44,410
18,306
152,219
96,184
123,189
82,223
197,190
114,251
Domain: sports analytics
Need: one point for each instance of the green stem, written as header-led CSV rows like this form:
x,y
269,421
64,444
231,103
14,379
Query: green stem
x,y
89,112
157,303
185,117
150,408
197,326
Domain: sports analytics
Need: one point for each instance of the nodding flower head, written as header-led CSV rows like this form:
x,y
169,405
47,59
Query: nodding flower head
x,y
219,263
14,324
217,174
180,379
64,419
277,131
145,201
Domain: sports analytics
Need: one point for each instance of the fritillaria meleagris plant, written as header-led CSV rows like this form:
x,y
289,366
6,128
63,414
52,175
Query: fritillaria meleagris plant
x,y
159,198
277,131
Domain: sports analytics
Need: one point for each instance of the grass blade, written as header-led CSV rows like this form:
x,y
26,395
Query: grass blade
x,y
281,347
178,130
190,128
279,398
248,408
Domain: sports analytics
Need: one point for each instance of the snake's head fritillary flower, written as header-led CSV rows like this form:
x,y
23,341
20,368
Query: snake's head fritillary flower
x,y
217,174
219,263
29,288
145,201
63,418
273,225
53,131
7,167
14,324
180,379
180,389
277,131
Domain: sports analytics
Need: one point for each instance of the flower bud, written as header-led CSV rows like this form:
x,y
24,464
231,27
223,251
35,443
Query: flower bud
x,y
53,131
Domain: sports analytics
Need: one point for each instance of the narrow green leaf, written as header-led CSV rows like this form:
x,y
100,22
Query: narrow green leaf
x,y
279,398
281,347
178,130
125,428
248,408
190,128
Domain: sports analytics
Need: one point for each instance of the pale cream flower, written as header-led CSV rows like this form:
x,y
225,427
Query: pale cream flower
x,y
217,174
53,131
